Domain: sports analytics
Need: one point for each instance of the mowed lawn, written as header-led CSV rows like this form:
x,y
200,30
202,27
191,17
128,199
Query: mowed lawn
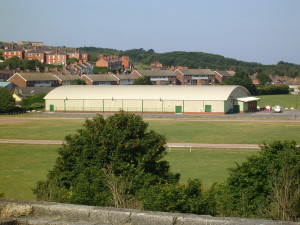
x,y
22,166
208,165
227,132
283,100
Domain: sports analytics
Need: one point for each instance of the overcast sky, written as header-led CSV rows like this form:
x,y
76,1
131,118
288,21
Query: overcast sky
x,y
264,31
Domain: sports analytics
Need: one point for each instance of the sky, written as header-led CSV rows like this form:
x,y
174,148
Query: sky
x,y
263,31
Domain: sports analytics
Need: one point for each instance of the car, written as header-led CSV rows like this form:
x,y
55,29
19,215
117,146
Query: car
x,y
278,109
268,107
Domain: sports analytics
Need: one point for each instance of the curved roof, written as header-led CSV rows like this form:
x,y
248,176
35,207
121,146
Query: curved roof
x,y
148,92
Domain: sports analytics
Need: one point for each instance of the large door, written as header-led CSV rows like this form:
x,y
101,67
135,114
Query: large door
x,y
51,108
236,108
207,108
178,109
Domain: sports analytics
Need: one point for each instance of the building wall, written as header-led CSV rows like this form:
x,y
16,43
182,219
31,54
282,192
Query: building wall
x,y
140,105
32,56
56,59
10,54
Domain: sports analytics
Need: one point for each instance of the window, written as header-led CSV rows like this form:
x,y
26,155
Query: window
x,y
37,55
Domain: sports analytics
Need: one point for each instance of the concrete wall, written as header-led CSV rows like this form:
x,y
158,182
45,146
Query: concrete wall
x,y
27,213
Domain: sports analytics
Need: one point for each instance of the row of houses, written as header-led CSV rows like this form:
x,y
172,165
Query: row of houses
x,y
158,77
184,76
44,54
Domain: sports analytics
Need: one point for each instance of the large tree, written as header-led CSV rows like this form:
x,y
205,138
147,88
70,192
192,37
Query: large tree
x,y
7,102
264,79
118,152
241,78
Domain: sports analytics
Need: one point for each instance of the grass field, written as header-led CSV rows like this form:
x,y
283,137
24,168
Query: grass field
x,y
283,100
21,166
227,132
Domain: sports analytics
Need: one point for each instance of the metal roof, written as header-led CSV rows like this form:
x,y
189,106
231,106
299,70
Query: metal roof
x,y
196,71
155,73
4,84
100,78
139,92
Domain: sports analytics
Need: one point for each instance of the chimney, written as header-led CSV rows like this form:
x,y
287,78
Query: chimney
x,y
37,69
84,61
75,63
46,69
80,61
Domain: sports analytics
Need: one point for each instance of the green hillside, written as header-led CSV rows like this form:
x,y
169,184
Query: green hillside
x,y
143,58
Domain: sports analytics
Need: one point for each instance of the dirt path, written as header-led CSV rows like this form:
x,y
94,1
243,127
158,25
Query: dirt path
x,y
16,120
169,145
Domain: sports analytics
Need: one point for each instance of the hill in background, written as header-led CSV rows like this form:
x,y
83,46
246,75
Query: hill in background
x,y
143,58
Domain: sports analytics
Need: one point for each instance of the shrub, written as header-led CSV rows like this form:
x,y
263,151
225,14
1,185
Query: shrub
x,y
266,185
120,142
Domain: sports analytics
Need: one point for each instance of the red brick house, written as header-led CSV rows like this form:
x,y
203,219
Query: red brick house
x,y
84,56
156,66
195,76
34,80
11,52
110,62
127,62
35,54
56,58
73,54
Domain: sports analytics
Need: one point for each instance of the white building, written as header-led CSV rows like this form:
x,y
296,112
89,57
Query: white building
x,y
151,99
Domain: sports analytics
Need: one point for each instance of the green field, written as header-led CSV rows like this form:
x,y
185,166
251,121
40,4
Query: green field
x,y
228,132
21,166
283,100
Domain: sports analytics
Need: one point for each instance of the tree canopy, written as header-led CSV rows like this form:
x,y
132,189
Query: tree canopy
x,y
266,185
121,143
263,79
143,80
7,102
241,78
78,82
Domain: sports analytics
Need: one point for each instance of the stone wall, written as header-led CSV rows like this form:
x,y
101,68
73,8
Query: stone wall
x,y
28,213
